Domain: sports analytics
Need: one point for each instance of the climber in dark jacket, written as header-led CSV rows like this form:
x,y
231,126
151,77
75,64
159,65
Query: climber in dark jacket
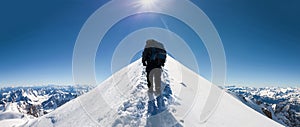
x,y
154,57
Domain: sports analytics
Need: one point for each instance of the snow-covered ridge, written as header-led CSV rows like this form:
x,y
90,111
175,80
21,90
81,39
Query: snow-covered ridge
x,y
279,104
123,100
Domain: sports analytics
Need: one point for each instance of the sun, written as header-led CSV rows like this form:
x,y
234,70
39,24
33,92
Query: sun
x,y
147,3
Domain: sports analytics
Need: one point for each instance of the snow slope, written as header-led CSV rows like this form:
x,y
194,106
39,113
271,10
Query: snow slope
x,y
123,100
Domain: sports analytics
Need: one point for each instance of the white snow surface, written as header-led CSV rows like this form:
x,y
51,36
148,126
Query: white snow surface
x,y
123,100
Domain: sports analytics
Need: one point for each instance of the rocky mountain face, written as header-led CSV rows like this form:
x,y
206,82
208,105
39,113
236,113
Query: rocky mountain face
x,y
279,104
38,100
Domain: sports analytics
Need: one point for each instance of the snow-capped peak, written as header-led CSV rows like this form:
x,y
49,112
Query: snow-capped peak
x,y
123,100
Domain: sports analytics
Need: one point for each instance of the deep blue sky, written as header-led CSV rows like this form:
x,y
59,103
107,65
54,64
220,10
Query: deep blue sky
x,y
261,40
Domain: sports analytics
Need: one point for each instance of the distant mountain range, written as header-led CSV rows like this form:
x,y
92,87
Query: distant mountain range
x,y
280,104
38,100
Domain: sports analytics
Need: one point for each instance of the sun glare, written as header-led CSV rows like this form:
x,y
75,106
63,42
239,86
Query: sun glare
x,y
147,3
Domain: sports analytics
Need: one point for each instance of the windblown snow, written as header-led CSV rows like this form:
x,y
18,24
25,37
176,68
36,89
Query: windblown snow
x,y
123,100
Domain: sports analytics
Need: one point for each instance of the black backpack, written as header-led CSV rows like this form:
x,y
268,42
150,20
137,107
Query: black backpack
x,y
154,53
158,56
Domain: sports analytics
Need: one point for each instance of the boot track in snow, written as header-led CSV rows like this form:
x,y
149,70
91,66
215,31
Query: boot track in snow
x,y
146,105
